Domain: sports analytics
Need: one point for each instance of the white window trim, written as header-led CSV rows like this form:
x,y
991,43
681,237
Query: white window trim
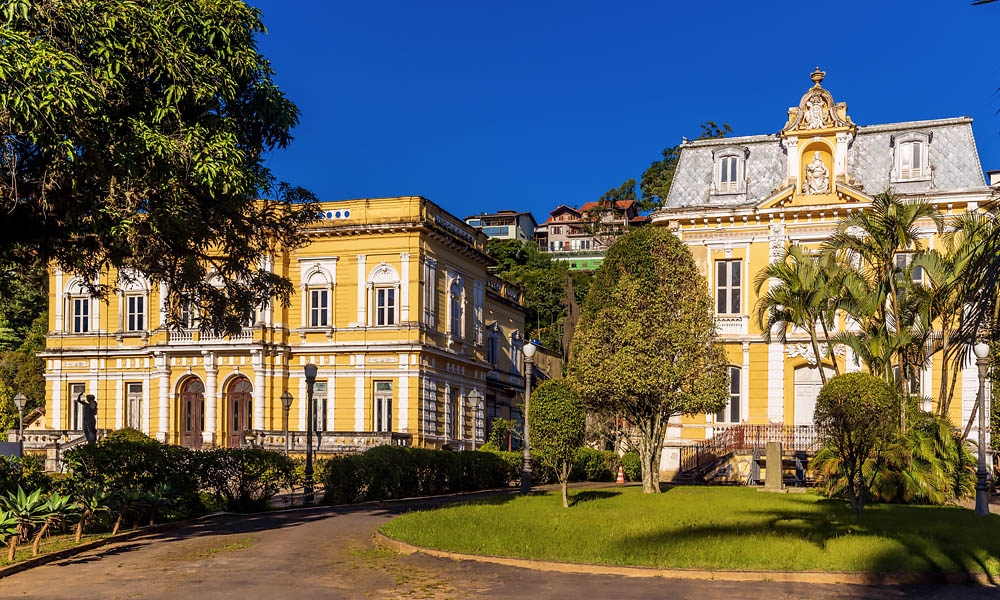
x,y
719,159
728,286
317,278
735,399
383,276
901,141
430,292
455,281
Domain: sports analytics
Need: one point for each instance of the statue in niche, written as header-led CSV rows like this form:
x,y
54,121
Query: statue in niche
x,y
814,114
817,176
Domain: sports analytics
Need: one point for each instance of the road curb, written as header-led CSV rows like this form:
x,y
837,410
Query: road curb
x,y
717,575
37,561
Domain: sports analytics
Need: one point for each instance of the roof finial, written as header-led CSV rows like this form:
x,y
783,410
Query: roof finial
x,y
817,76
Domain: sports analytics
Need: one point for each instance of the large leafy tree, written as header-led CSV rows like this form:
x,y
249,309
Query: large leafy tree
x,y
133,136
646,347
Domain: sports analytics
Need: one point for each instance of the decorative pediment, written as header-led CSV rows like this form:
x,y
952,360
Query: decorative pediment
x,y
817,110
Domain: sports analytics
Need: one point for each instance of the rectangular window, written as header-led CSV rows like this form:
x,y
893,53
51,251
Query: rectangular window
x,y
81,315
134,405
430,294
910,160
135,312
383,406
492,349
727,287
385,306
903,260
319,308
727,174
430,408
731,413
319,406
75,408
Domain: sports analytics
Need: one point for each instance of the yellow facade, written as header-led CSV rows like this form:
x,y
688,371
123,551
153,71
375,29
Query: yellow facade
x,y
394,304
738,203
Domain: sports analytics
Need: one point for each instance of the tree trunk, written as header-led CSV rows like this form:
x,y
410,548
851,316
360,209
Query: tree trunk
x,y
79,530
12,548
972,419
819,359
564,480
829,348
118,524
943,400
38,539
650,446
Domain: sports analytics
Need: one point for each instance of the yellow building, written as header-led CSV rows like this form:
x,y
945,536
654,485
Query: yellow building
x,y
738,203
415,343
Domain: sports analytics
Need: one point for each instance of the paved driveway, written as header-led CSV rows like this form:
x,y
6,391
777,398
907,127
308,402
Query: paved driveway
x,y
328,553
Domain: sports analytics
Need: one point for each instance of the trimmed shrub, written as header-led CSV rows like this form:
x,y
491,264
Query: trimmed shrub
x,y
631,466
388,472
590,464
244,479
127,462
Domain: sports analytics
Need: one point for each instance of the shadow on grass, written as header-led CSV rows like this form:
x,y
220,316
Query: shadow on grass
x,y
937,541
591,495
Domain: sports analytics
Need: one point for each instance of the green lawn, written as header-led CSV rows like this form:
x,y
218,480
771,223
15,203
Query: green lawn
x,y
712,528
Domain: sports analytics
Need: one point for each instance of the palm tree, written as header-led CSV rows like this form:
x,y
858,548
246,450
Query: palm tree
x,y
802,296
873,239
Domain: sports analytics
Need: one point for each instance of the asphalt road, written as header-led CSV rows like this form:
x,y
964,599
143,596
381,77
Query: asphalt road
x,y
328,553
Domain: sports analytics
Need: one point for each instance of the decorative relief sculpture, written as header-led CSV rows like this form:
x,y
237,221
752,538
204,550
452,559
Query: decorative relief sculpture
x,y
814,114
817,176
776,241
817,109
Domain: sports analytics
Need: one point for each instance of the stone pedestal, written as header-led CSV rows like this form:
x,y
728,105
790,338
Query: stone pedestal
x,y
772,477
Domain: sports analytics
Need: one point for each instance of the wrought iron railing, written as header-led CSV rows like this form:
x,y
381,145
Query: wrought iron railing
x,y
745,436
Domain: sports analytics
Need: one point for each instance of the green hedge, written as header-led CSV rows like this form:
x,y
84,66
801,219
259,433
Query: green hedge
x,y
388,472
244,479
27,473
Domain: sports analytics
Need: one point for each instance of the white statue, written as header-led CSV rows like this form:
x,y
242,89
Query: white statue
x,y
814,114
817,176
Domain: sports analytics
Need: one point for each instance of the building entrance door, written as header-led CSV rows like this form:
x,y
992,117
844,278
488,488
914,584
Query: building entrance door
x,y
807,386
239,403
192,412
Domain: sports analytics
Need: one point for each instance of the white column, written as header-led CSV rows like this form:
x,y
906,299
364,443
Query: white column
x,y
840,159
792,145
57,386
460,430
303,400
970,389
362,280
257,360
331,387
403,410
745,384
404,287
211,395
60,323
775,382
163,304
163,372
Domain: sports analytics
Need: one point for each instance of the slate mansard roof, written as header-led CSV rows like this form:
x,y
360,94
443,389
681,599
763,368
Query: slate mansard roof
x,y
952,156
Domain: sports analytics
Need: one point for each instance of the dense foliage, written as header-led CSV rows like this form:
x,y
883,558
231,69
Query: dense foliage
x,y
388,472
646,348
558,422
548,285
136,137
856,418
244,479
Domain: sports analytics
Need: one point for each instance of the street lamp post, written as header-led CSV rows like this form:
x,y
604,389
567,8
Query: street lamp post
x,y
310,371
286,403
19,401
529,361
475,397
982,351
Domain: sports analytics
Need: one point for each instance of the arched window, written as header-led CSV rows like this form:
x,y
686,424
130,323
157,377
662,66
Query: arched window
x,y
911,157
729,170
456,308
318,291
134,302
79,307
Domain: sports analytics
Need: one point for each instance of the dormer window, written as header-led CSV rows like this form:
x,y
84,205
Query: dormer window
x,y
729,169
911,157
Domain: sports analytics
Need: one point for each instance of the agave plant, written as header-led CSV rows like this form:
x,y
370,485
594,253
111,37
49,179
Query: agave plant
x,y
91,503
57,509
28,512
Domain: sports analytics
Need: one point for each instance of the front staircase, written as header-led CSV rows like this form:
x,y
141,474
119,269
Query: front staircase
x,y
734,455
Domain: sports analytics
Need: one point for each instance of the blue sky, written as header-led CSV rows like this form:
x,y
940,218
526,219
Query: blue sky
x,y
528,105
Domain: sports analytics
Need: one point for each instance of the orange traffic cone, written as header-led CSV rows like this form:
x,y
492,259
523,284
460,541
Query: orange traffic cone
x,y
621,475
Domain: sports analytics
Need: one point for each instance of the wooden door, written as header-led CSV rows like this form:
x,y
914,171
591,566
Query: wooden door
x,y
239,401
192,412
